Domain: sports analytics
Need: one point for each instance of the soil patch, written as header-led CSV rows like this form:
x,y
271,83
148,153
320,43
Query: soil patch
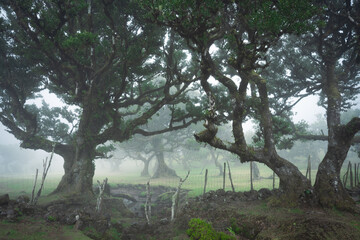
x,y
246,215
35,228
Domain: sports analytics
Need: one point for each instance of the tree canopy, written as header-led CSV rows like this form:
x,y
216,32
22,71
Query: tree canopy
x,y
246,34
101,58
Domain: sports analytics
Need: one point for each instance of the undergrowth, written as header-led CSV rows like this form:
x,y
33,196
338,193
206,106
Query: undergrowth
x,y
202,230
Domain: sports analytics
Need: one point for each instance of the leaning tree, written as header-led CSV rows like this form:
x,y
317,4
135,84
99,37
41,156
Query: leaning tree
x,y
111,68
323,62
242,32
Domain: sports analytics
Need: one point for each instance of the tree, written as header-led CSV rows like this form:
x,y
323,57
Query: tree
x,y
243,31
137,148
162,146
101,58
324,61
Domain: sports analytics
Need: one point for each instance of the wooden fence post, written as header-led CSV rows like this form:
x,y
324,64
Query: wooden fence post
x,y
176,198
148,203
232,185
33,191
206,174
308,170
355,179
224,176
357,175
251,177
351,177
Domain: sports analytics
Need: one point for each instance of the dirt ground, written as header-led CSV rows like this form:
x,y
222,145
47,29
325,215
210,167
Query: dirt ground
x,y
248,215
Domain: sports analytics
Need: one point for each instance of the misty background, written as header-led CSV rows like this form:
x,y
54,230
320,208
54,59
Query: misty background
x,y
17,161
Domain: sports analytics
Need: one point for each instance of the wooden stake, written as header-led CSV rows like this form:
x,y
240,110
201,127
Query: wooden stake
x,y
33,191
351,177
224,176
251,177
232,185
148,203
309,167
206,174
176,197
357,176
46,167
101,193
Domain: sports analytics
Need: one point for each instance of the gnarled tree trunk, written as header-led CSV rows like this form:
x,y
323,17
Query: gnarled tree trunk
x,y
328,187
79,172
292,181
162,169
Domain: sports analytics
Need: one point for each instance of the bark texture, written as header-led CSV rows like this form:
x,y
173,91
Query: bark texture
x,y
79,171
328,186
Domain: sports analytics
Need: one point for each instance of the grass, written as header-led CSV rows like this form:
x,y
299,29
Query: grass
x,y
34,229
16,186
195,181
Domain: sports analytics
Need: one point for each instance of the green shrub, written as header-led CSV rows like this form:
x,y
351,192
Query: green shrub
x,y
202,230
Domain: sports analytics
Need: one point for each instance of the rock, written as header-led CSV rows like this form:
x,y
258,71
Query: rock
x,y
71,218
164,221
220,192
23,199
3,212
28,210
4,199
264,193
251,195
10,215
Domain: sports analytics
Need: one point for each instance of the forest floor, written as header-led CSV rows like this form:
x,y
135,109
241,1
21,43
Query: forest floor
x,y
242,215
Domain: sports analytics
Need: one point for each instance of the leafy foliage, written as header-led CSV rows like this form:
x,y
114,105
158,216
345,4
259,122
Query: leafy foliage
x,y
202,230
101,58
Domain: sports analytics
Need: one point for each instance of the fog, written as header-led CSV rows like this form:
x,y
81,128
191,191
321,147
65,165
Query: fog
x,y
18,161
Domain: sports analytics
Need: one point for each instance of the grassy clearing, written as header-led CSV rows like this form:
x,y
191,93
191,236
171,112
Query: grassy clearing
x,y
18,185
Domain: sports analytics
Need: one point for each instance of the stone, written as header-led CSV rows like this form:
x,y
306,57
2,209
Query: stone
x,y
164,221
23,199
264,193
4,199
251,195
10,214
220,192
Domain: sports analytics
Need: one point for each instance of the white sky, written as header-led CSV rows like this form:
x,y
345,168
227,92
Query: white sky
x,y
307,109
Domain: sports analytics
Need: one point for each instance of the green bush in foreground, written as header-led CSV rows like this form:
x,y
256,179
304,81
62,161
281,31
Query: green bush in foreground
x,y
202,230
